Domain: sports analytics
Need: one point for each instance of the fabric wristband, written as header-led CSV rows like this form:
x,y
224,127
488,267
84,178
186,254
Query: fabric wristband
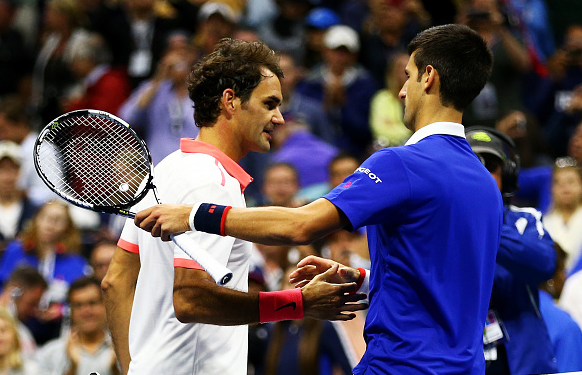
x,y
208,217
280,305
361,278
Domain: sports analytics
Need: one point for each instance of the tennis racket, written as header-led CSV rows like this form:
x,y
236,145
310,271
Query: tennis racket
x,y
94,160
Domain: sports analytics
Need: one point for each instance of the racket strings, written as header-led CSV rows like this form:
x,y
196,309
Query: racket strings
x,y
94,160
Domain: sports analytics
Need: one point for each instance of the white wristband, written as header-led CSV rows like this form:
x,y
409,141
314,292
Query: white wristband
x,y
192,215
365,287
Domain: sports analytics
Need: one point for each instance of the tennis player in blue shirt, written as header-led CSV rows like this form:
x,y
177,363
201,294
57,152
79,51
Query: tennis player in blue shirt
x,y
433,215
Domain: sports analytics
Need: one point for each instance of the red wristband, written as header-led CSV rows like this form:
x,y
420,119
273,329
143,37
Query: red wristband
x,y
280,305
361,278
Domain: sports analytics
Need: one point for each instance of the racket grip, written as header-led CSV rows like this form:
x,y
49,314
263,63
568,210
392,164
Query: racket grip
x,y
218,272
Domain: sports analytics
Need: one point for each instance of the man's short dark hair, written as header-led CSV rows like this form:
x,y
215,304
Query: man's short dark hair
x,y
26,277
234,64
82,283
461,58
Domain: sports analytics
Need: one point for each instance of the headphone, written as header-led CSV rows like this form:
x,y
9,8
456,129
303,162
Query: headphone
x,y
502,146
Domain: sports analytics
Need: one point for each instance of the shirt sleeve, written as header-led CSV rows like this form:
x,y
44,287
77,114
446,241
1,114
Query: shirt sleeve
x,y
375,193
218,247
128,239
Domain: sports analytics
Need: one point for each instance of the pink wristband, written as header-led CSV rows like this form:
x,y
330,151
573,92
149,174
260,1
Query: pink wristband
x,y
280,305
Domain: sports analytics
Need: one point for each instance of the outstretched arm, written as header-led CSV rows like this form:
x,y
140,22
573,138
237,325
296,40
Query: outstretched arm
x,y
266,225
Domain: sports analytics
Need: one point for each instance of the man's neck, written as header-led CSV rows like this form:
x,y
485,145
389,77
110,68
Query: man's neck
x,y
222,137
437,114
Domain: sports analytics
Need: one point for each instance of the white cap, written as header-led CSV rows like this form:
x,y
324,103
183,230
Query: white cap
x,y
342,36
10,150
214,7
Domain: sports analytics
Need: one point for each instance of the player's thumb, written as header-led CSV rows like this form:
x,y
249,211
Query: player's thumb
x,y
330,273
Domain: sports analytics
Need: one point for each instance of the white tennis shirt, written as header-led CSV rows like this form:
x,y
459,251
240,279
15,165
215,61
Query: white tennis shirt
x,y
158,342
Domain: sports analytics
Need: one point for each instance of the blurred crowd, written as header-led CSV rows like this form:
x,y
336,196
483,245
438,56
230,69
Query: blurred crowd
x,y
343,62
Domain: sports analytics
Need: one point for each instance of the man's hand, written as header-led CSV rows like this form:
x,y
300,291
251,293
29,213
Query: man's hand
x,y
323,299
164,220
311,266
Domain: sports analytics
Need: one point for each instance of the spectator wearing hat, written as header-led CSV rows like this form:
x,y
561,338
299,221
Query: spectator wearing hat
x,y
317,21
216,20
344,89
15,208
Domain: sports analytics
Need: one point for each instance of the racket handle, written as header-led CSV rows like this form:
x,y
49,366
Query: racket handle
x,y
219,273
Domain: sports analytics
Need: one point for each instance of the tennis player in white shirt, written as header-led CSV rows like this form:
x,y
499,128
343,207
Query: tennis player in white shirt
x,y
166,314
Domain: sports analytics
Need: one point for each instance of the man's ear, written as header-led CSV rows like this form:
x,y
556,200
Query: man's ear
x,y
228,101
431,78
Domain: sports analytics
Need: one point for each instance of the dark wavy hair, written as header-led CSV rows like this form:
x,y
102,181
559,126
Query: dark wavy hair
x,y
461,58
233,64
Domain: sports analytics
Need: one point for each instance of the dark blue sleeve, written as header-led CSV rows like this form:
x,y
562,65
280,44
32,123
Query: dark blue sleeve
x,y
375,193
526,249
535,186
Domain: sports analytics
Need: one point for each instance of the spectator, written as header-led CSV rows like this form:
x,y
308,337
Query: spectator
x,y
87,347
565,67
136,36
317,22
52,75
281,186
298,107
511,61
101,256
343,88
286,32
11,360
160,108
50,243
216,20
21,297
14,58
295,145
15,208
15,127
564,220
390,26
525,258
386,109
565,334
101,87
341,167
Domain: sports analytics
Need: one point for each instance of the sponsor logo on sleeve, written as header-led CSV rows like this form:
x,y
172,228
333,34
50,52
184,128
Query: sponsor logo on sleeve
x,y
370,174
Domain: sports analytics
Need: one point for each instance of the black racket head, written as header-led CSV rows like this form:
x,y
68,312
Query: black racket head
x,y
94,160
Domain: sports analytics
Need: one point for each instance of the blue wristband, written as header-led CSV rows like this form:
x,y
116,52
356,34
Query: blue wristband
x,y
210,218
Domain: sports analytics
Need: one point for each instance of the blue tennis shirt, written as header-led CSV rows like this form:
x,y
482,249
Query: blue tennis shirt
x,y
433,215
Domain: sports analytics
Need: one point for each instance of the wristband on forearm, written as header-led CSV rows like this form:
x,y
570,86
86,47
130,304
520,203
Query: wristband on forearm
x,y
363,282
280,305
209,218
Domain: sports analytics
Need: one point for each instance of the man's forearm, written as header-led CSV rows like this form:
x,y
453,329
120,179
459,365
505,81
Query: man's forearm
x,y
118,291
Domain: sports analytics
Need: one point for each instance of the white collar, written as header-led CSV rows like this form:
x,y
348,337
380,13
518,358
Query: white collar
x,y
446,128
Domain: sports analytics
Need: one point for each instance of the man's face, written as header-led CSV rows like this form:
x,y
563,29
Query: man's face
x,y
258,117
280,185
411,93
9,172
87,310
341,169
27,303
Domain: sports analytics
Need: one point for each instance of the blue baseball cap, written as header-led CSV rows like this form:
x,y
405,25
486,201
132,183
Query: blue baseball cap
x,y
322,18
